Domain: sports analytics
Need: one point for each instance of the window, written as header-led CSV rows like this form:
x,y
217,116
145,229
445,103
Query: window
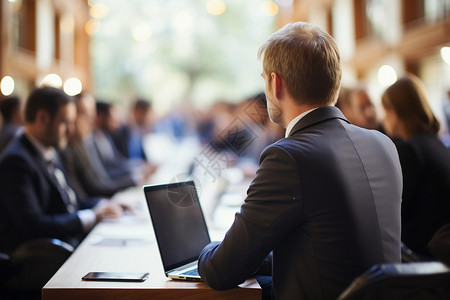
x,y
370,18
413,10
23,24
419,11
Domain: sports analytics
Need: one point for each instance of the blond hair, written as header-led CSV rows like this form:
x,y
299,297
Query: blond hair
x,y
307,59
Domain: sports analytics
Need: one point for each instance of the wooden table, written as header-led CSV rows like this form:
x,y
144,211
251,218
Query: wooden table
x,y
135,251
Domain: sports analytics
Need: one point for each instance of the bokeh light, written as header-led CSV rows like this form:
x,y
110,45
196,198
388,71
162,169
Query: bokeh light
x,y
7,85
141,32
445,54
73,86
269,8
386,75
215,7
92,27
52,79
99,11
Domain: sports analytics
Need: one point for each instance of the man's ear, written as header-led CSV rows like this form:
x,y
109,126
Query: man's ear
x,y
277,84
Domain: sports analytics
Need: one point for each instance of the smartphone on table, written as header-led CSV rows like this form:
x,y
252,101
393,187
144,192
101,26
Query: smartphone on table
x,y
115,276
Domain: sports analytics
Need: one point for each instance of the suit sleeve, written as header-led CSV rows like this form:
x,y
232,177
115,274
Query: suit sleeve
x,y
20,200
272,208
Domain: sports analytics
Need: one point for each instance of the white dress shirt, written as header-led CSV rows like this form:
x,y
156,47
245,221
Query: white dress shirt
x,y
295,120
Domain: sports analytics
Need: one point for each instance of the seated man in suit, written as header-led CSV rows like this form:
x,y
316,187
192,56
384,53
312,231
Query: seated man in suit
x,y
85,170
324,205
129,137
114,162
36,201
11,111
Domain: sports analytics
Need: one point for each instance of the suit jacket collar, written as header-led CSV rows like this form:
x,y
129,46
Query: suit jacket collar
x,y
318,115
37,157
48,154
30,148
42,164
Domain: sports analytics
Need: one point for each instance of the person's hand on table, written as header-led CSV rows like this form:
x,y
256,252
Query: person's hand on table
x,y
107,210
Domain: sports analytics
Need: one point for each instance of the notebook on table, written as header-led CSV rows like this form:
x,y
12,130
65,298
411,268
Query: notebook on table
x,y
179,226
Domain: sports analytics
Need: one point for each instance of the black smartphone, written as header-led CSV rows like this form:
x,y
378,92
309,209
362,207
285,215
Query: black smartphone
x,y
115,276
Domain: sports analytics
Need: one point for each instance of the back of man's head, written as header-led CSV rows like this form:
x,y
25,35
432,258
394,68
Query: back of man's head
x,y
307,59
86,105
103,108
47,98
107,118
142,104
8,107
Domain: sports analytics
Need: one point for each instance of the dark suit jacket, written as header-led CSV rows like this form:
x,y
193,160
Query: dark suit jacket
x,y
116,166
121,140
30,204
7,133
325,201
87,180
426,189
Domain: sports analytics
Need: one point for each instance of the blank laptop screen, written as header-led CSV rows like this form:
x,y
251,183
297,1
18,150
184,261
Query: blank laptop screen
x,y
178,222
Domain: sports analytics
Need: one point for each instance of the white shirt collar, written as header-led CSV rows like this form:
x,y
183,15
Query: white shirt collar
x,y
295,120
48,154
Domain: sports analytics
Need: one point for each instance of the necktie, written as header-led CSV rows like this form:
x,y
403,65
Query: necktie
x,y
67,194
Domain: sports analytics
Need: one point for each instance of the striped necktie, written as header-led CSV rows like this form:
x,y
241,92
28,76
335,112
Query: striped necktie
x,y
67,193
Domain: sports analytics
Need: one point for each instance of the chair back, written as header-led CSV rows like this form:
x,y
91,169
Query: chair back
x,y
415,280
34,263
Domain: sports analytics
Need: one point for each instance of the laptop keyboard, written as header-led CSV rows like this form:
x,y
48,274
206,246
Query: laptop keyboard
x,y
193,272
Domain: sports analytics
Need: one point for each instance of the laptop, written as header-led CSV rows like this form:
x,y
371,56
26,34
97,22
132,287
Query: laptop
x,y
179,227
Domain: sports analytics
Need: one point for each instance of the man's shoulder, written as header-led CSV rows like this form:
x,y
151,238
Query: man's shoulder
x,y
19,150
369,134
281,144
284,147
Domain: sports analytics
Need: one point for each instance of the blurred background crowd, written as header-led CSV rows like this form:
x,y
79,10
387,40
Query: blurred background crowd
x,y
177,83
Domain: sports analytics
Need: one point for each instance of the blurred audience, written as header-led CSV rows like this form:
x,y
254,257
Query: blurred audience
x,y
11,112
36,198
445,133
129,137
358,108
114,162
240,129
425,161
217,118
180,122
256,123
446,109
85,170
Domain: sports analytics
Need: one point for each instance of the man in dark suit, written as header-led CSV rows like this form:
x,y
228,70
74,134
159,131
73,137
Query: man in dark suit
x,y
11,112
129,137
84,169
324,205
35,198
114,162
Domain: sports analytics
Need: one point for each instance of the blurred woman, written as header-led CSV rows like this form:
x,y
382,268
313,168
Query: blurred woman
x,y
425,161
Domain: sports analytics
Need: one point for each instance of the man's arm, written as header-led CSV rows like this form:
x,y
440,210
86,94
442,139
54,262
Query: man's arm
x,y
272,208
20,200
